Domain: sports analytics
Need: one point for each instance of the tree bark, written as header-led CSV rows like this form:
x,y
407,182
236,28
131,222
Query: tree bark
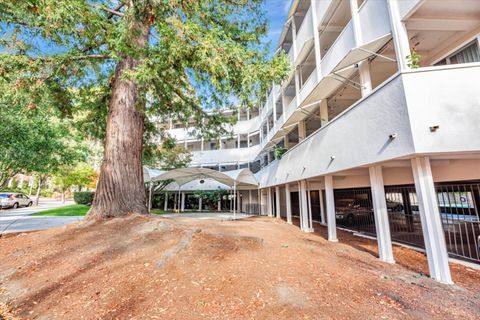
x,y
120,189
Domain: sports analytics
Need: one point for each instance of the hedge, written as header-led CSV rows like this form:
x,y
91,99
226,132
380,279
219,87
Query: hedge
x,y
83,197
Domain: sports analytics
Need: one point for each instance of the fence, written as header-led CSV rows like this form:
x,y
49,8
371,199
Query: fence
x,y
458,207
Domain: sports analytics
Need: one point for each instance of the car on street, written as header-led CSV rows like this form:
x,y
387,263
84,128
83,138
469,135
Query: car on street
x,y
14,200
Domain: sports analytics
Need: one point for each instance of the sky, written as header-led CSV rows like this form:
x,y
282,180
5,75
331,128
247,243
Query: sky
x,y
276,11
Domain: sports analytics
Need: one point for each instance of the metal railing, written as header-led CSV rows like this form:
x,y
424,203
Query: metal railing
x,y
458,205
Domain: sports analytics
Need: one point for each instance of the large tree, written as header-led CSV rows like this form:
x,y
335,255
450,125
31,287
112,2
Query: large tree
x,y
170,58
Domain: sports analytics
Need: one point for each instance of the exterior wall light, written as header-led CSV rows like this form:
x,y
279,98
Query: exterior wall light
x,y
392,136
434,128
332,158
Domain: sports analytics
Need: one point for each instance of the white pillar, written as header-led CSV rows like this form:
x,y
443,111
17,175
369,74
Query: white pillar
x,y
433,233
288,202
200,203
302,130
238,141
277,202
249,200
165,206
304,214
269,199
316,38
329,198
385,251
183,202
323,112
322,210
219,205
260,202
175,201
399,34
363,66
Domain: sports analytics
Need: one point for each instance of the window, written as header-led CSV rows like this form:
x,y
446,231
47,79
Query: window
x,y
467,54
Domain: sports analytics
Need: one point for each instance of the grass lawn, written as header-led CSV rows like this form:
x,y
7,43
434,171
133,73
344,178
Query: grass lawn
x,y
159,211
80,210
73,210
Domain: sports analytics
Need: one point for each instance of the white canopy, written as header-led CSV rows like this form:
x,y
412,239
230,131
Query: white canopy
x,y
149,174
240,178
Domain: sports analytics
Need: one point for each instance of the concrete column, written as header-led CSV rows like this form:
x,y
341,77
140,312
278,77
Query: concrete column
x,y
433,233
288,201
183,202
219,205
399,34
294,38
200,204
330,201
322,210
260,202
302,130
238,201
269,205
316,38
304,213
249,200
238,141
283,105
323,112
385,251
363,66
277,202
165,206
300,204
175,201
297,87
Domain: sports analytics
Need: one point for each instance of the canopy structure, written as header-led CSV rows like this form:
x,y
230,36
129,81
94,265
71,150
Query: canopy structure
x,y
149,173
242,178
238,178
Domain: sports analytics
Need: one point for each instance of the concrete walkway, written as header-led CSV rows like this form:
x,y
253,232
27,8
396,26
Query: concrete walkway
x,y
207,215
21,219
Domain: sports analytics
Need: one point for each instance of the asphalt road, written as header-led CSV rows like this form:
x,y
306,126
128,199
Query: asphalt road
x,y
21,219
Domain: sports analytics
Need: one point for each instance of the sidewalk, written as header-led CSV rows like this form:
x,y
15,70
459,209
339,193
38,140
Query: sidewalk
x,y
21,219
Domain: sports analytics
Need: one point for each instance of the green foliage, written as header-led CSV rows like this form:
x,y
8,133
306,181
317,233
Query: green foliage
x,y
169,155
211,196
80,176
33,141
201,56
278,151
413,59
83,197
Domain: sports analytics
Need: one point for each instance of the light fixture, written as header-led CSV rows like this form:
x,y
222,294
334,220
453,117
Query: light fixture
x,y
434,128
332,158
392,136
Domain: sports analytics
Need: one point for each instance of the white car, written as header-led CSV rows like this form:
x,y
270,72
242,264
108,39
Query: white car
x,y
14,200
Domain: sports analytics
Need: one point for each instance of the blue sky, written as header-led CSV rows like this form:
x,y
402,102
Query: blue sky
x,y
276,11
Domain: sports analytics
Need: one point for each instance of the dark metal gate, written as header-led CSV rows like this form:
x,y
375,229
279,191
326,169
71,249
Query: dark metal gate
x,y
458,206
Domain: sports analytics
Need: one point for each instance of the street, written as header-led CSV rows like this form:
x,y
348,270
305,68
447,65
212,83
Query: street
x,y
21,219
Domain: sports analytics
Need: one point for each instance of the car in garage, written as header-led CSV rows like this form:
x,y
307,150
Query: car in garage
x,y
14,200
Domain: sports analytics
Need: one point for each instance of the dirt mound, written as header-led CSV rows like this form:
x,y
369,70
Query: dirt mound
x,y
152,268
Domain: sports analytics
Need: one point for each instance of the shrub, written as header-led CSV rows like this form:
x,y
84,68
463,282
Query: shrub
x,y
83,197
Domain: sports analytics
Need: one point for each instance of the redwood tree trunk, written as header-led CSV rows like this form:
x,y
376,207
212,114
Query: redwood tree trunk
x,y
120,189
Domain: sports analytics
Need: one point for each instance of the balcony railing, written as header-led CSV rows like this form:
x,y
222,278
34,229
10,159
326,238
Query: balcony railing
x,y
344,43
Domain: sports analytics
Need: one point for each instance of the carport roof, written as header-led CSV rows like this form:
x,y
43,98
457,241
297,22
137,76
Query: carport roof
x,y
241,177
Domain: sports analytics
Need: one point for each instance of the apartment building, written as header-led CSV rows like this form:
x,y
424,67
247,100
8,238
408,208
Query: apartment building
x,y
380,119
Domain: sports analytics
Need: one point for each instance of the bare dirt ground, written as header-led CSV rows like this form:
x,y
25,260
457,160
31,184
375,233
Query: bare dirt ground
x,y
258,268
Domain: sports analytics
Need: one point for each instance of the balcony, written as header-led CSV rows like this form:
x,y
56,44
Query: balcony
x,y
339,49
374,20
406,105
225,155
304,39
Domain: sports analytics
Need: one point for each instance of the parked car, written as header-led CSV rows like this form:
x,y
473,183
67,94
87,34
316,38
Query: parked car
x,y
350,210
394,206
14,200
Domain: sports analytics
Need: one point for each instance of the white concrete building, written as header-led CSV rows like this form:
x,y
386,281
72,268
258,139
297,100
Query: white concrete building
x,y
380,117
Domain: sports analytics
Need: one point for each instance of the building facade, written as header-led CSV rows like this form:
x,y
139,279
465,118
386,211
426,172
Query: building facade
x,y
380,119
